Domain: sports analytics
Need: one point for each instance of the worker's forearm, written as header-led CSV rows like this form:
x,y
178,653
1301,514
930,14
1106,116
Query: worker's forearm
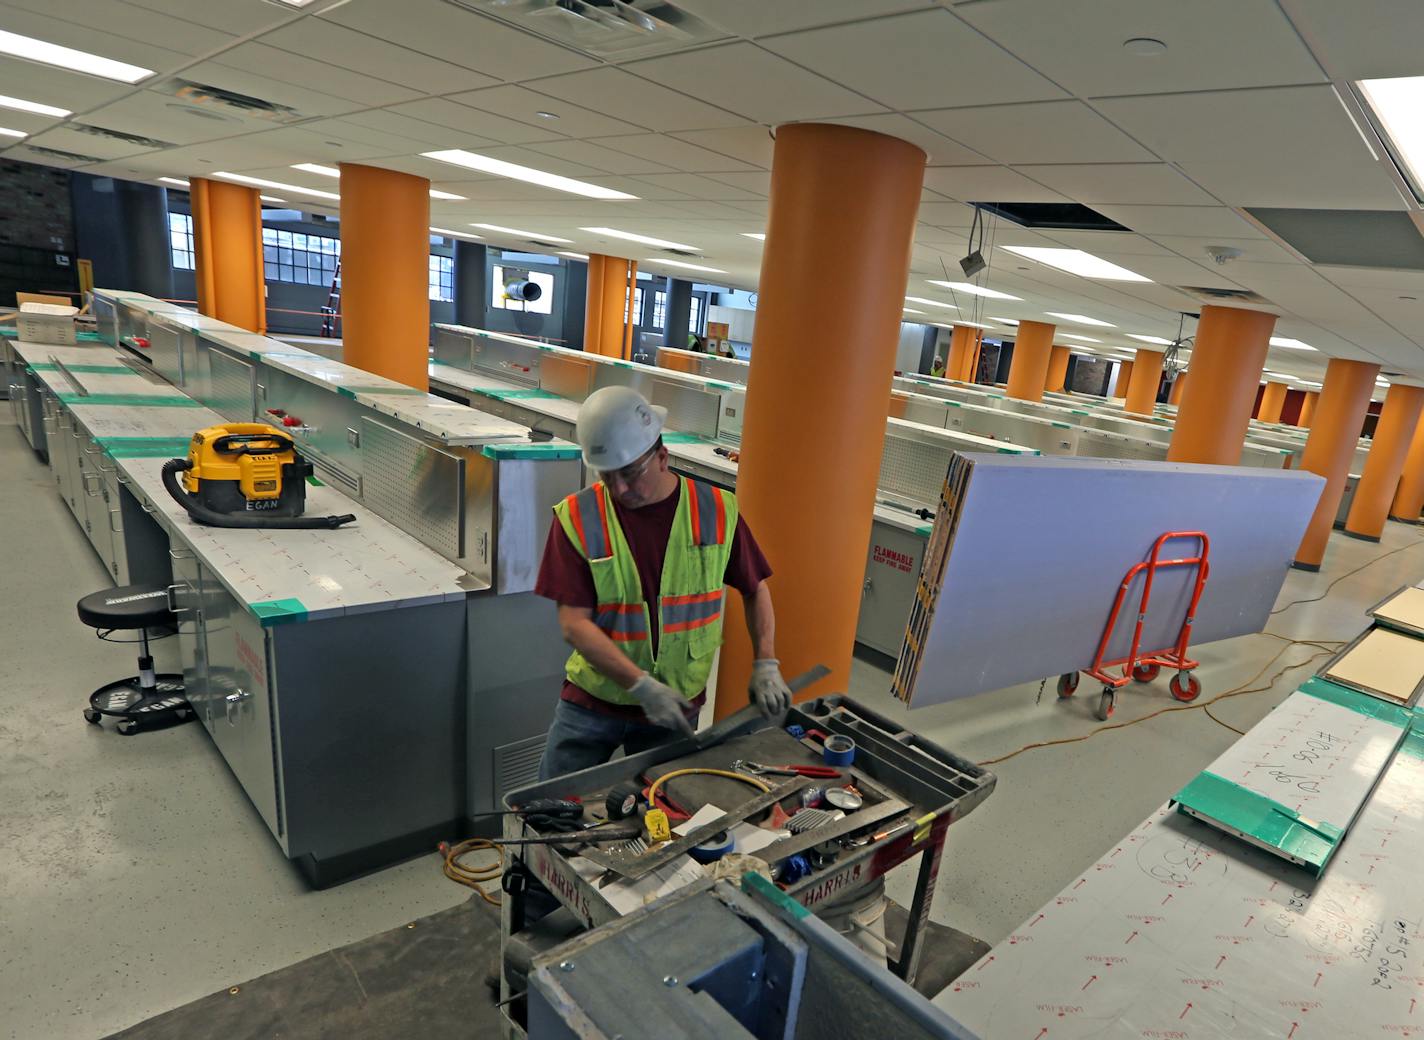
x,y
602,652
761,621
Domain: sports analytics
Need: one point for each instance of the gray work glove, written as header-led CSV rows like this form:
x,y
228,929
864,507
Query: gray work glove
x,y
662,705
768,690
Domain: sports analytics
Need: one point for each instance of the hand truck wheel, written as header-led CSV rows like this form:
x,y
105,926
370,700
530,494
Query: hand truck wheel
x,y
1106,703
1185,686
92,717
1067,684
1146,672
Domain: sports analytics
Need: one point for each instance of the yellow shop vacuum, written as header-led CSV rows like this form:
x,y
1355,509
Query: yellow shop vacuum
x,y
245,475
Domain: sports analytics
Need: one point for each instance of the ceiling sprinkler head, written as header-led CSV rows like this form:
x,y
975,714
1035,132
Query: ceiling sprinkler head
x,y
1223,254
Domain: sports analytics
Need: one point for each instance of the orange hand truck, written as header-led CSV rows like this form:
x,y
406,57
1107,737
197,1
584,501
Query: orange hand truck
x,y
1144,667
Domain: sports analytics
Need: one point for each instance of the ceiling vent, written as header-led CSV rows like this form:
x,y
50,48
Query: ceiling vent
x,y
60,156
1211,294
613,29
230,102
682,252
1062,216
1348,237
119,135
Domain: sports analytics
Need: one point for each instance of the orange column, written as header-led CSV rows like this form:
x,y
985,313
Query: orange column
x,y
1215,410
385,273
1307,409
961,353
593,305
629,318
1397,422
839,232
976,348
1124,378
1331,445
1409,497
227,241
1057,369
1028,369
609,305
1272,398
1146,381
1178,385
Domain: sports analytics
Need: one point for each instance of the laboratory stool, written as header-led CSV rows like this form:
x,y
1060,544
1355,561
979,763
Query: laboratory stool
x,y
146,701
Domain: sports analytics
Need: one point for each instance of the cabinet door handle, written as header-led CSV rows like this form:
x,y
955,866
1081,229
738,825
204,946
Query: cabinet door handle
x,y
87,474
112,528
233,702
180,554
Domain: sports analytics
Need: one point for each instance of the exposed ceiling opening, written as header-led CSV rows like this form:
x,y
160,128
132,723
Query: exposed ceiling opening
x,y
1348,237
1063,216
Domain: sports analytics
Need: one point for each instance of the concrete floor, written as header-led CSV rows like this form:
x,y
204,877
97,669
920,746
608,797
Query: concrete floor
x,y
135,876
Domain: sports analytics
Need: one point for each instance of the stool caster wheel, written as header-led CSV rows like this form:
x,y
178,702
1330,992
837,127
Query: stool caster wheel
x,y
1106,704
92,717
1067,683
126,728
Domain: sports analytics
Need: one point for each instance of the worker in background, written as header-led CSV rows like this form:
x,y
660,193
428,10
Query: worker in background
x,y
637,564
937,369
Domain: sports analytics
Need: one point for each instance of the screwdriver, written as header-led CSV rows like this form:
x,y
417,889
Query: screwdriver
x,y
555,808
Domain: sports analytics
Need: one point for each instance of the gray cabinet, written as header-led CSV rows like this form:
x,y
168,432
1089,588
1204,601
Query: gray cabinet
x,y
892,573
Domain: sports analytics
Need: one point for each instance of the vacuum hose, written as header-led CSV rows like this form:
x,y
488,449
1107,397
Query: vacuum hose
x,y
204,515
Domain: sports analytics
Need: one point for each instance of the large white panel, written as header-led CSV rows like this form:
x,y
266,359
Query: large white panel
x,y
1042,132
890,60
760,86
636,101
1146,183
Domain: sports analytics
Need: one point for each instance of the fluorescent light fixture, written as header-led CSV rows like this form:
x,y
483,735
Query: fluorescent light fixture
x,y
574,256
500,168
1080,319
174,181
523,234
1150,339
447,196
974,290
1289,344
1004,321
296,3
1380,381
258,182
753,234
690,267
1396,104
1309,382
20,105
660,243
332,171
1080,339
272,198
69,59
974,324
931,303
1075,261
455,234
5,132
911,310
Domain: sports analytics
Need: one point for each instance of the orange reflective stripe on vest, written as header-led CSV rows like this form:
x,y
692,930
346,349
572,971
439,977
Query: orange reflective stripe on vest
x,y
622,622
707,514
589,513
681,613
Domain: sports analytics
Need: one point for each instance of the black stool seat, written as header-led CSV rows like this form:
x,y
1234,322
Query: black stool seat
x,y
126,607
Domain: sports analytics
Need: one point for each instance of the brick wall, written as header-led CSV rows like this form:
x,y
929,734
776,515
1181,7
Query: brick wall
x,y
34,207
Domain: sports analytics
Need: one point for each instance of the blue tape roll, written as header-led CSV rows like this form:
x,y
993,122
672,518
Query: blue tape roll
x,y
713,849
838,750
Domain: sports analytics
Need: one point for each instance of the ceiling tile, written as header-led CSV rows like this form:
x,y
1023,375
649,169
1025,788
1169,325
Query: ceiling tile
x,y
563,160
760,86
752,144
239,17
430,135
356,129
887,59
939,150
56,87
674,154
596,158
1254,250
1187,221
280,67
156,115
524,104
448,114
1383,281
987,184
756,182
758,17
1101,243
86,37
1128,183
946,214
1366,39
1339,180
172,30
696,187
635,101
67,140
458,36
334,44
255,82
1211,44
1041,132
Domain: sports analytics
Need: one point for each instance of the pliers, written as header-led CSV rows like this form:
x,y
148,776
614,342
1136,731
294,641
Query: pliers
x,y
757,769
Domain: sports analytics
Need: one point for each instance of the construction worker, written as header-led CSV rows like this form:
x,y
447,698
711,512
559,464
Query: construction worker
x,y
937,369
637,564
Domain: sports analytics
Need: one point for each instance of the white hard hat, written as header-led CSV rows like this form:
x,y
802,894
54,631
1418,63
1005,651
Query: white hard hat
x,y
616,425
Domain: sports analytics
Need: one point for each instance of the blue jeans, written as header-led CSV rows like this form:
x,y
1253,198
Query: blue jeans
x,y
580,738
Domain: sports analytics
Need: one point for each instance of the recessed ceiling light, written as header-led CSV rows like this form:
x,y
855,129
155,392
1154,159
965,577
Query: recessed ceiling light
x,y
974,324
931,303
574,256
295,3
269,198
523,234
500,168
259,182
911,310
1309,382
1381,381
1144,46
660,243
20,105
69,59
547,115
1004,321
1150,339
434,194
456,234
1081,319
1080,339
690,267
1289,344
1075,261
974,290
6,132
1396,104
174,181
753,234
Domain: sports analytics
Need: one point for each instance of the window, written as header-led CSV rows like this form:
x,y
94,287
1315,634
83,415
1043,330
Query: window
x,y
442,278
695,316
501,275
180,239
294,256
659,310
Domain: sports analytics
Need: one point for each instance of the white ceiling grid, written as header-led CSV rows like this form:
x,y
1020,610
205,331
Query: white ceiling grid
x,y
1014,100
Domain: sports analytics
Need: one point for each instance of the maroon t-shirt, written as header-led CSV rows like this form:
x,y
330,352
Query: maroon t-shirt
x,y
565,577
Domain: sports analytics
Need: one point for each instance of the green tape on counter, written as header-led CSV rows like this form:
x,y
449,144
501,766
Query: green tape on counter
x,y
530,451
677,437
45,366
133,400
352,391
279,611
145,447
315,482
1374,707
924,529
1271,823
723,386
753,884
521,394
1413,745
10,332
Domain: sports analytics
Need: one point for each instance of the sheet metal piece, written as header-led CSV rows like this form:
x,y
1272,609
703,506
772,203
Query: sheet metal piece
x,y
1182,932
1383,663
1027,555
1404,610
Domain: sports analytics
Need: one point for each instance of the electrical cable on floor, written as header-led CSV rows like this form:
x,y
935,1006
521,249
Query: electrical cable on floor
x,y
1219,722
474,877
1347,574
